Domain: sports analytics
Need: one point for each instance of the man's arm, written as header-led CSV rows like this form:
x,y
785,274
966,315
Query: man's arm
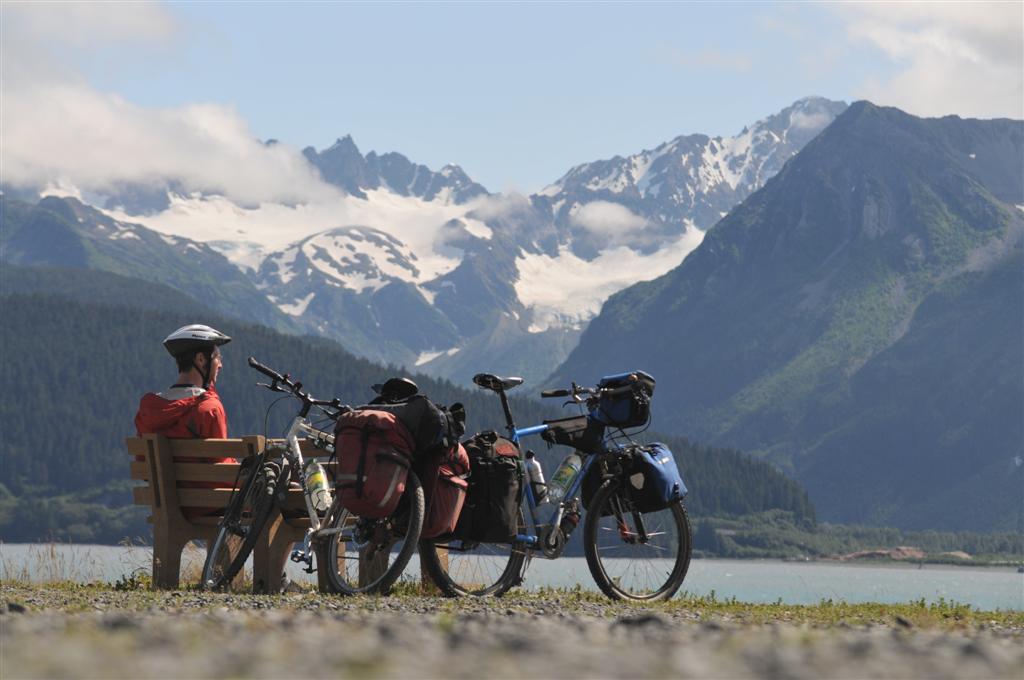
x,y
211,420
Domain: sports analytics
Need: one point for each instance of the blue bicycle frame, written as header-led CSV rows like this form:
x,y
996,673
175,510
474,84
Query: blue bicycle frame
x,y
533,539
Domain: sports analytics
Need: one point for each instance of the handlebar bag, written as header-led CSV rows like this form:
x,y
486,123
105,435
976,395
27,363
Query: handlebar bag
x,y
580,432
434,429
490,513
374,452
631,406
653,481
444,490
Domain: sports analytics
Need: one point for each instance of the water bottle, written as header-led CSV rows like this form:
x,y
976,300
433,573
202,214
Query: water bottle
x,y
566,471
536,474
317,489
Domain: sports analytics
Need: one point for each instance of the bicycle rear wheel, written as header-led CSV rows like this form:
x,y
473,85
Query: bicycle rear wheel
x,y
636,556
241,526
368,555
461,568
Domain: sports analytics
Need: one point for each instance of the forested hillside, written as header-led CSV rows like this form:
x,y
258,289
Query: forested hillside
x,y
74,370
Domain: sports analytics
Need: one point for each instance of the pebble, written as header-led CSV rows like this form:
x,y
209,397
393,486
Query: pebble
x,y
160,635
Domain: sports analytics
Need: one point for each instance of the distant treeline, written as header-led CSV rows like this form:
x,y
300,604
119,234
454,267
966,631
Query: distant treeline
x,y
75,363
778,533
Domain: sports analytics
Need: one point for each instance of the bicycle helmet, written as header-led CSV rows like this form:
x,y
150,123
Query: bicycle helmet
x,y
195,338
192,338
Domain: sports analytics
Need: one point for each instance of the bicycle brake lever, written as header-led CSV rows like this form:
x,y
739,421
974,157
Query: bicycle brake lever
x,y
273,387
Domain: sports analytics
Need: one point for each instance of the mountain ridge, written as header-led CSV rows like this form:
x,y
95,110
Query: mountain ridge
x,y
479,273
794,292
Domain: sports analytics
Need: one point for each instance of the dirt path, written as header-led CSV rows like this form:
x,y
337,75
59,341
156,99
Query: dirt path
x,y
102,633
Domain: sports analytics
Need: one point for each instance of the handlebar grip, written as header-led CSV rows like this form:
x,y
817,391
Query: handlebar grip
x,y
554,393
617,390
269,372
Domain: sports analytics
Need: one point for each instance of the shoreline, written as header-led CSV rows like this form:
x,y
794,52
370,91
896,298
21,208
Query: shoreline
x,y
1012,565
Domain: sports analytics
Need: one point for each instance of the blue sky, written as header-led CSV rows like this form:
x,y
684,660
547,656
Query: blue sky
x,y
514,93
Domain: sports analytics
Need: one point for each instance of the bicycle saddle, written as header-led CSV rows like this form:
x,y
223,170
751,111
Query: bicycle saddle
x,y
493,382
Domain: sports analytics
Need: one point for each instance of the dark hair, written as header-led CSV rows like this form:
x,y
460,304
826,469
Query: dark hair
x,y
188,359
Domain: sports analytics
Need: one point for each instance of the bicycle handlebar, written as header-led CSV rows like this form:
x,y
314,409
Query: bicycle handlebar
x,y
283,383
577,392
554,393
269,372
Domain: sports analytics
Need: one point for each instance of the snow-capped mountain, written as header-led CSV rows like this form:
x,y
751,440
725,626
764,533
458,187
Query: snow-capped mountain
x,y
691,181
422,268
344,166
361,286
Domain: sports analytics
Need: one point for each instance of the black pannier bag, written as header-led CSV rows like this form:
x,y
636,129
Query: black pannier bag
x,y
434,429
490,513
630,405
579,432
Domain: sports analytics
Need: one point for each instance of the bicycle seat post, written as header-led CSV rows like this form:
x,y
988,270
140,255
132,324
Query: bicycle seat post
x,y
508,414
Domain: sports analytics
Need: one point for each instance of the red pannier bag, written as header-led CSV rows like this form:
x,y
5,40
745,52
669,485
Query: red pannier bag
x,y
374,451
444,490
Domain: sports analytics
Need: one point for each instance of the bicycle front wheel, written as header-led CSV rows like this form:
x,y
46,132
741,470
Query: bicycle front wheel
x,y
362,555
635,556
241,526
460,568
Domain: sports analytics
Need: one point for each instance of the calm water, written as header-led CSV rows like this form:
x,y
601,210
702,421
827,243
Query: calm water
x,y
748,581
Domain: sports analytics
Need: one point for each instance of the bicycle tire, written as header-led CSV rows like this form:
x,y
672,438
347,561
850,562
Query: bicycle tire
x,y
235,539
623,568
478,570
347,571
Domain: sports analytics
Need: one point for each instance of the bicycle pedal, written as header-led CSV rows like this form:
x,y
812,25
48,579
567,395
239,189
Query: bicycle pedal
x,y
298,556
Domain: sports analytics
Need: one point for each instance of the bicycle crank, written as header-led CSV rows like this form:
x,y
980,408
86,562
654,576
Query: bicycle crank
x,y
552,542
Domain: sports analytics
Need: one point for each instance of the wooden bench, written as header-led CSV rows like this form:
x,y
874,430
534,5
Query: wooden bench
x,y
174,524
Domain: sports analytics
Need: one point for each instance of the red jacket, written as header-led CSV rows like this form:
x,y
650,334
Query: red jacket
x,y
193,417
199,417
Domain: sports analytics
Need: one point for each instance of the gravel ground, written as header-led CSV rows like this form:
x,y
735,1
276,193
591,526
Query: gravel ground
x,y
109,634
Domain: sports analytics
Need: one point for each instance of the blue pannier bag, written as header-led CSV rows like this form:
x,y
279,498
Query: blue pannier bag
x,y
654,481
629,403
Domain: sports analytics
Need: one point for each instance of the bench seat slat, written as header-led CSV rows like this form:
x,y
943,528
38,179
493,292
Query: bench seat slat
x,y
216,448
202,472
211,498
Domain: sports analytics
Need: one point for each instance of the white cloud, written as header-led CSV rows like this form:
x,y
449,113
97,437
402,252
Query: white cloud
x,y
59,130
811,121
963,58
498,206
607,219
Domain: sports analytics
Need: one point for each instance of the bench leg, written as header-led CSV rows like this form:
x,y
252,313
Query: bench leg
x,y
271,555
427,583
372,567
167,549
322,584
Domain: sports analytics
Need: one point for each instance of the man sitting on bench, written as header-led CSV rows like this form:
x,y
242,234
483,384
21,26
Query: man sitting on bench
x,y
191,408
